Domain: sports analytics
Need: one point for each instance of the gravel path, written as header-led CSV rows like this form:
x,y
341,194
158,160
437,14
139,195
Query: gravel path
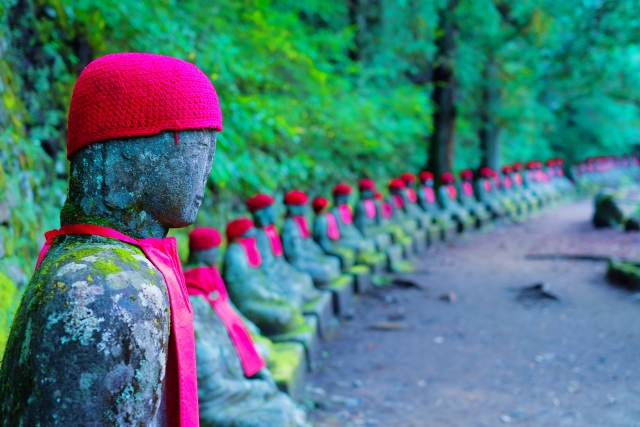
x,y
487,359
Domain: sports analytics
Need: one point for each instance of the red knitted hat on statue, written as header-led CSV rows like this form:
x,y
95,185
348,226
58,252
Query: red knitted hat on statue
x,y
425,176
296,197
259,201
486,172
506,169
202,238
447,178
531,165
238,227
366,184
139,94
341,189
408,177
466,174
396,184
378,195
319,203
517,166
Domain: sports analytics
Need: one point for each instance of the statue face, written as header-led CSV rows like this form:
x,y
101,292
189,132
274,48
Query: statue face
x,y
367,194
207,257
158,177
299,210
341,199
265,216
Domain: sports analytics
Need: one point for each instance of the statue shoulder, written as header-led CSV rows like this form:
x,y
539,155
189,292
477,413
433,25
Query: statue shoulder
x,y
95,313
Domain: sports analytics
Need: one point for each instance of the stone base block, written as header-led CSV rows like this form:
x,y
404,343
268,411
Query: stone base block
x,y
342,291
382,241
448,232
361,278
394,256
323,312
408,248
420,241
288,366
308,338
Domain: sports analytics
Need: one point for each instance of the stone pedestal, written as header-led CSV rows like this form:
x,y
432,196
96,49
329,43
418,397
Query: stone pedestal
x,y
308,338
342,291
361,278
448,231
322,310
421,241
290,368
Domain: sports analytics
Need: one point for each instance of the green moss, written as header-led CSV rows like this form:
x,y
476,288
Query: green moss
x,y
127,256
107,266
7,305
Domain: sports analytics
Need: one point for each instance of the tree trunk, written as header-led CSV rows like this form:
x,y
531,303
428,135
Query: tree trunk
x,y
489,132
443,97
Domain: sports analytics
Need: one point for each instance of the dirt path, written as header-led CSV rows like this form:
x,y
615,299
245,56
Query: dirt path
x,y
487,360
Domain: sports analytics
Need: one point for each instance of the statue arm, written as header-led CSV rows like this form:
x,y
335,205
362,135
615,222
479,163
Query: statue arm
x,y
320,234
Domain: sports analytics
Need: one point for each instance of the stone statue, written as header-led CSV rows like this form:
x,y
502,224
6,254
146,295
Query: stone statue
x,y
297,284
366,211
427,200
306,255
518,183
234,386
299,247
448,197
104,333
487,192
274,265
272,308
327,235
400,214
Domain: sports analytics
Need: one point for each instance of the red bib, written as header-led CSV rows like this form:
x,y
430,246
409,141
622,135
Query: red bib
x,y
518,178
411,195
251,250
333,232
345,213
467,188
370,208
387,209
429,194
303,226
398,201
181,384
507,181
487,185
453,193
202,281
274,239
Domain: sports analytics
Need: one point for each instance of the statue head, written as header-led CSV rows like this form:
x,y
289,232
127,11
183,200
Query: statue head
x,y
466,175
447,178
296,202
319,205
341,193
396,186
141,141
204,246
367,188
426,178
409,179
240,228
261,208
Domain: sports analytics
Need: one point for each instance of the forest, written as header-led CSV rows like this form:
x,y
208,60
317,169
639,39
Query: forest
x,y
323,90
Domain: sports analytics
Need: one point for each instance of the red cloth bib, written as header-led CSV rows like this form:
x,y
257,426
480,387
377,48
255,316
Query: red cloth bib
x,y
429,194
387,209
202,281
333,232
507,181
398,201
487,185
181,383
453,193
467,188
411,195
345,213
518,178
370,208
274,239
251,250
303,226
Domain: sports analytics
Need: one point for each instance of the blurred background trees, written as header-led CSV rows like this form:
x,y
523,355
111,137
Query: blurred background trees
x,y
324,90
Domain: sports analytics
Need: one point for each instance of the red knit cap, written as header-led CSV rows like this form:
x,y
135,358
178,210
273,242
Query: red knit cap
x,y
466,174
517,166
396,184
366,184
238,227
425,176
259,201
506,169
319,203
378,195
341,189
550,162
138,94
296,197
408,177
560,161
202,238
531,165
447,178
486,172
